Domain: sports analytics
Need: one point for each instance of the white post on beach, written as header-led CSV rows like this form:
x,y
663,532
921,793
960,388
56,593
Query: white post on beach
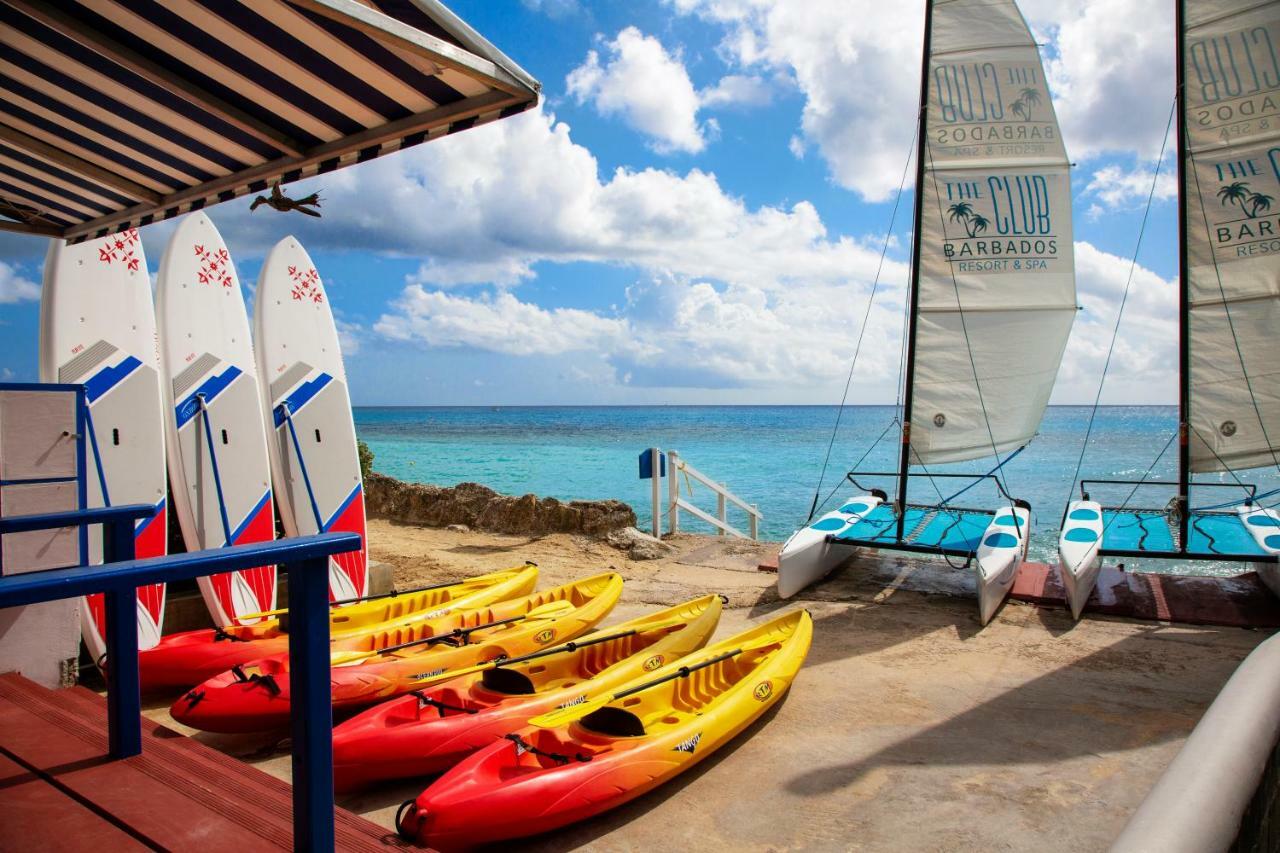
x,y
754,522
655,457
673,491
720,512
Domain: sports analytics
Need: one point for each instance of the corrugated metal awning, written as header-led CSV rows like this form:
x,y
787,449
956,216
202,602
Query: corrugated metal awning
x,y
118,113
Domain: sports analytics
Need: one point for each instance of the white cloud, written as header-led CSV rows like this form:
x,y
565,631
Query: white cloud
x,y
649,87
737,90
486,206
645,85
14,287
349,335
554,9
857,64
1111,72
1144,365
499,324
1117,188
679,332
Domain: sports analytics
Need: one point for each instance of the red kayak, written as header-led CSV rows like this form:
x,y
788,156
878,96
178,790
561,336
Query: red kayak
x,y
256,697
576,762
437,726
190,657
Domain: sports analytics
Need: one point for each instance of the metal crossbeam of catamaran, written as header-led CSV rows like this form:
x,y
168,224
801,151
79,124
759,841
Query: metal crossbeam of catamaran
x,y
991,302
1229,310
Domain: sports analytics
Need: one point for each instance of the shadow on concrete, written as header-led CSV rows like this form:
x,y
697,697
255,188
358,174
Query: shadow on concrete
x,y
1075,711
494,549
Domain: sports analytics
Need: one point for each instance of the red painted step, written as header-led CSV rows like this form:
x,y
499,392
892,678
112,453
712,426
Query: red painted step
x,y
178,794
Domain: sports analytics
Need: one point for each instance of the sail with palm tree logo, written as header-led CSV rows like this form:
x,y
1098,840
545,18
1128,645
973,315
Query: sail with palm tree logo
x,y
1228,119
1232,166
997,279
991,303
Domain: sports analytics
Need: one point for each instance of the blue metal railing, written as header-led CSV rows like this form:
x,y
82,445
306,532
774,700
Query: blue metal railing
x,y
305,559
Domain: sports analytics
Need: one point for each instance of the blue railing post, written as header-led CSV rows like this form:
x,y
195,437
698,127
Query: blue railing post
x,y
124,705
312,705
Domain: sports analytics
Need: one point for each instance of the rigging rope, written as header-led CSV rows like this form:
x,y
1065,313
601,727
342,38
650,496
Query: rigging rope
x,y
875,286
1115,331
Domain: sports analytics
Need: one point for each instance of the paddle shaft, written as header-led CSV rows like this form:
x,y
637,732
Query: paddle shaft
x,y
359,600
465,632
682,672
571,646
494,664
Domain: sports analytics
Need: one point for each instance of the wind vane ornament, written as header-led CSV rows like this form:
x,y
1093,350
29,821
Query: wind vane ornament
x,y
281,202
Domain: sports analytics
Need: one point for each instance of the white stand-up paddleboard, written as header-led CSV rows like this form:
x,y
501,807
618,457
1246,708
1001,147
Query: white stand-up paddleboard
x,y
312,440
98,329
217,443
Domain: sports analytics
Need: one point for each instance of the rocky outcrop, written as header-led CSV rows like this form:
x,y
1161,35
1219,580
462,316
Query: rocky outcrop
x,y
481,508
639,545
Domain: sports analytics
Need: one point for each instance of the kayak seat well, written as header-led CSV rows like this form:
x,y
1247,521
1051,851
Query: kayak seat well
x,y
614,722
508,681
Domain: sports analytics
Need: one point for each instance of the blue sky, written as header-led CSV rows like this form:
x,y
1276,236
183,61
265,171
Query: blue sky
x,y
695,213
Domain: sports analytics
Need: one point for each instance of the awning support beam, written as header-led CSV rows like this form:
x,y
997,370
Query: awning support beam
x,y
75,30
78,165
430,119
390,31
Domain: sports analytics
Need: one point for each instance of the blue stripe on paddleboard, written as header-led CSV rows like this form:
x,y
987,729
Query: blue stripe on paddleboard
x,y
341,509
253,513
211,387
109,377
300,397
146,522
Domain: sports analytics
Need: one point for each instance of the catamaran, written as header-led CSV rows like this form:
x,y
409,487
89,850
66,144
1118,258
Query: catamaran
x,y
990,305
1228,131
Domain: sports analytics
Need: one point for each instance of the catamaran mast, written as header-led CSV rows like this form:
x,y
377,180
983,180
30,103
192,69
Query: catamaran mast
x,y
913,298
1184,298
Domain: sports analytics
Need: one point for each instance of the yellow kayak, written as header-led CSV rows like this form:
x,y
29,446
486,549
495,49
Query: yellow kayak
x,y
256,696
452,715
581,760
190,657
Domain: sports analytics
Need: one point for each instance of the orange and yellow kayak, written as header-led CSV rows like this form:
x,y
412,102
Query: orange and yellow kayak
x,y
190,657
438,725
649,731
256,696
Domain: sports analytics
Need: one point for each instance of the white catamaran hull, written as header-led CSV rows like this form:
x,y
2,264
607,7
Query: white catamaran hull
x,y
807,557
1079,563
1003,548
1264,524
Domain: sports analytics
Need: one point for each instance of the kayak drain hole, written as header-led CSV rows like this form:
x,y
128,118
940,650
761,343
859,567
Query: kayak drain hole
x,y
224,436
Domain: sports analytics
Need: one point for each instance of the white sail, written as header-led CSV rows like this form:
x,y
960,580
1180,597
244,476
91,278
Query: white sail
x,y
997,279
1231,73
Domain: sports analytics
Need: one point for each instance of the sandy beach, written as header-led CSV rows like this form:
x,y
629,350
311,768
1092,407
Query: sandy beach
x,y
909,728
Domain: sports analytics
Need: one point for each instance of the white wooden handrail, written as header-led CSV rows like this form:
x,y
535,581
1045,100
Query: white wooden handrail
x,y
677,466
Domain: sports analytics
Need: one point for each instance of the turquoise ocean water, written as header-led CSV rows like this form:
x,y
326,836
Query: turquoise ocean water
x,y
770,456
